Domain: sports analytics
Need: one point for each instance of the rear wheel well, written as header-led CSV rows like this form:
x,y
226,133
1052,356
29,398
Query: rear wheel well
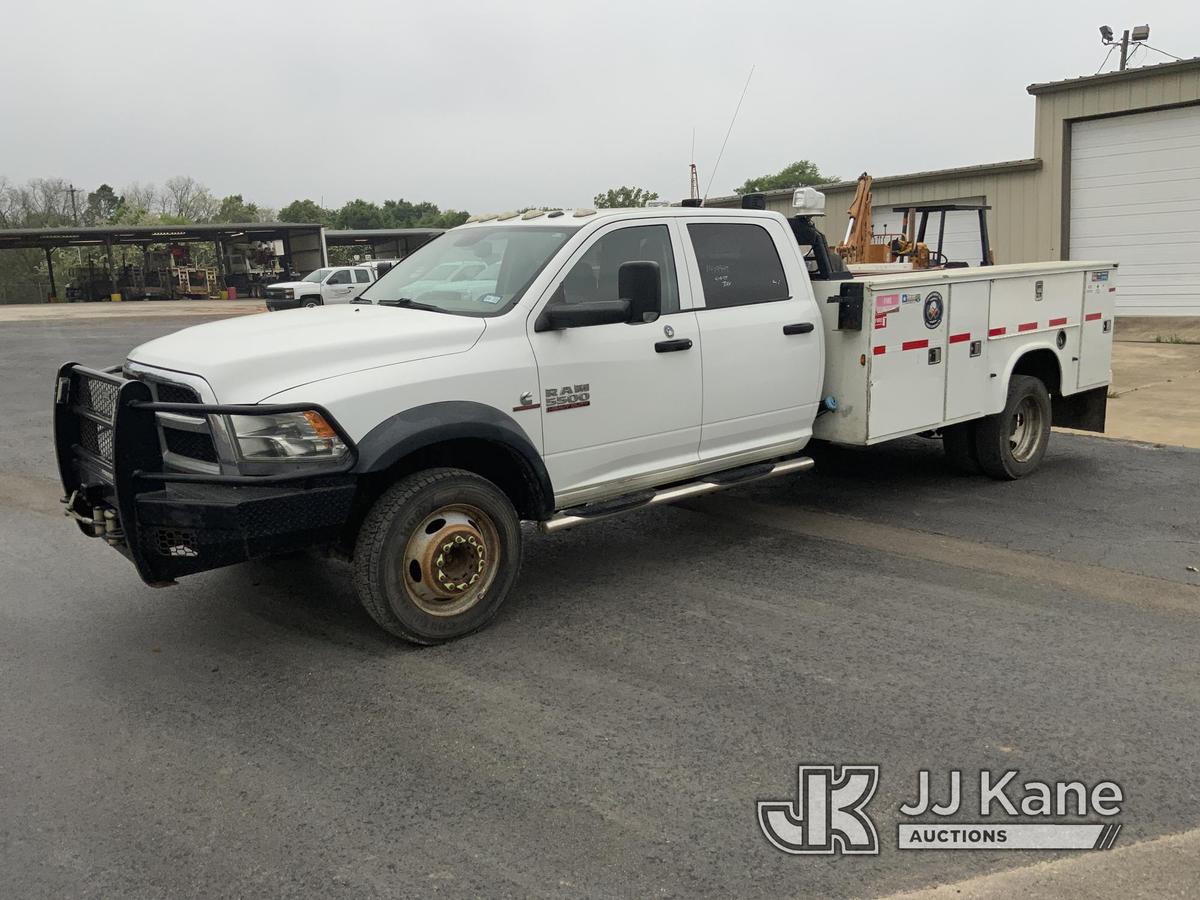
x,y
1043,365
496,462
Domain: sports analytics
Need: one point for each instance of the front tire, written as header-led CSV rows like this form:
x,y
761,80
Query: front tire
x,y
437,555
1011,444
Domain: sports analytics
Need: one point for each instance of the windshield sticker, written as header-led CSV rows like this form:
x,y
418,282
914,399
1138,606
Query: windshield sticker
x,y
490,298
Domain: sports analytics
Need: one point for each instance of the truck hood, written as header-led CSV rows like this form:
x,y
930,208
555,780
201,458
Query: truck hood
x,y
249,358
294,284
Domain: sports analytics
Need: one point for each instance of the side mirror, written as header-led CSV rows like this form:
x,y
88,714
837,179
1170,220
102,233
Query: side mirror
x,y
580,315
640,282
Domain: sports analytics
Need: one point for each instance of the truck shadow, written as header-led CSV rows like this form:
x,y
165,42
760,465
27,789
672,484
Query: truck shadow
x,y
563,574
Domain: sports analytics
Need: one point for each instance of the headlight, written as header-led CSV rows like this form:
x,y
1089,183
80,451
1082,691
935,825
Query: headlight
x,y
299,436
289,293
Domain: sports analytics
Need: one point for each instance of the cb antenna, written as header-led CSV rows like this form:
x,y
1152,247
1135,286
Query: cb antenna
x,y
728,132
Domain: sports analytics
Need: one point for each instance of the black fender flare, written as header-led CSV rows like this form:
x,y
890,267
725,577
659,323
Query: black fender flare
x,y
433,423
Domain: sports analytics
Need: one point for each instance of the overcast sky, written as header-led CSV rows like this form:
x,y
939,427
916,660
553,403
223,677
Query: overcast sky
x,y
491,106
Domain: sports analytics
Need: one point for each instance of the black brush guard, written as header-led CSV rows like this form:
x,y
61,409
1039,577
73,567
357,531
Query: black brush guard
x,y
170,524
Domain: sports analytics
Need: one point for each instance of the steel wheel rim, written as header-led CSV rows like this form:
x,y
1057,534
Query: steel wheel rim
x,y
1026,431
450,560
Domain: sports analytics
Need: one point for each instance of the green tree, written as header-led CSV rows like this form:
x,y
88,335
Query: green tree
x,y
307,211
623,198
797,174
448,218
360,214
234,209
103,206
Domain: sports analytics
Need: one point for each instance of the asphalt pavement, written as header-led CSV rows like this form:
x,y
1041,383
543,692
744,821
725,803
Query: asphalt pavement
x,y
250,732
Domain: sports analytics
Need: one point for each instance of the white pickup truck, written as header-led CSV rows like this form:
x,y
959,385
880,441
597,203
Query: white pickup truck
x,y
321,287
610,360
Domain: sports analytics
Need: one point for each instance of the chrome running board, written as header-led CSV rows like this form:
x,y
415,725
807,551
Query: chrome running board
x,y
717,481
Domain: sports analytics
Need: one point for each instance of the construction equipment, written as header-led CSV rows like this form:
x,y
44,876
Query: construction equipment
x,y
863,250
252,265
858,246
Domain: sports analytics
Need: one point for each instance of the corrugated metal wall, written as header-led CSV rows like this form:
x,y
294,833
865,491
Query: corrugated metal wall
x,y
1058,106
1027,215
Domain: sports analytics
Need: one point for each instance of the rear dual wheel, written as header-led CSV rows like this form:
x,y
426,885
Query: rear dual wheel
x,y
437,555
1011,444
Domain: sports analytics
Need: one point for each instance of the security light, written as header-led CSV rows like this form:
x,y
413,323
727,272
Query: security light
x,y
1141,33
1106,33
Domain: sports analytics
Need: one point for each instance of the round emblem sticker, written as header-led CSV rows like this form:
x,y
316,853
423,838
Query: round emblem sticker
x,y
933,309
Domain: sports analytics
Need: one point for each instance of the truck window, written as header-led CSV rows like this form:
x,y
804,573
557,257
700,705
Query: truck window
x,y
505,260
362,276
341,276
594,277
738,264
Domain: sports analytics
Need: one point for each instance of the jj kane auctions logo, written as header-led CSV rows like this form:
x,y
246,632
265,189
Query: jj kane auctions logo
x,y
829,814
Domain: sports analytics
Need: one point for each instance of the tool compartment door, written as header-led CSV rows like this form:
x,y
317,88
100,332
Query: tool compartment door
x,y
1096,332
1034,302
966,350
907,361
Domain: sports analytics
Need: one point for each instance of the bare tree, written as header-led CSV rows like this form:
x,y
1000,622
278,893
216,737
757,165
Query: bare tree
x,y
140,202
185,198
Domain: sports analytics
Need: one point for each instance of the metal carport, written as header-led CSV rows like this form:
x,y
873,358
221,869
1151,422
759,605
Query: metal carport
x,y
303,243
383,243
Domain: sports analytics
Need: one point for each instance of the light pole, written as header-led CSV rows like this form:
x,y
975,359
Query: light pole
x,y
1137,36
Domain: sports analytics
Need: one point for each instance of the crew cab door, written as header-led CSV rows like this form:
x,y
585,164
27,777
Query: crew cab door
x,y
761,332
338,287
619,401
362,280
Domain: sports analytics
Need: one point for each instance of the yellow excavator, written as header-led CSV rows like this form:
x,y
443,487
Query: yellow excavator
x,y
862,248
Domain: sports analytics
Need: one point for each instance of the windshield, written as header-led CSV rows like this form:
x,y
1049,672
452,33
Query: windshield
x,y
479,271
317,276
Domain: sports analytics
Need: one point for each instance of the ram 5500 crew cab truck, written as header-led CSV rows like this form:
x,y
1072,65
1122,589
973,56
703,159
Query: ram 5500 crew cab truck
x,y
610,360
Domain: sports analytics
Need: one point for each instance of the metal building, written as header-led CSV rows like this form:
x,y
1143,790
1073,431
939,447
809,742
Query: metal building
x,y
1115,174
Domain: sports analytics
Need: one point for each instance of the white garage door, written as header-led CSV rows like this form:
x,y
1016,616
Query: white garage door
x,y
960,242
1135,198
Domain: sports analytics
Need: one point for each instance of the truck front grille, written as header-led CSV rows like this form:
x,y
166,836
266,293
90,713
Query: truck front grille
x,y
192,444
186,439
175,393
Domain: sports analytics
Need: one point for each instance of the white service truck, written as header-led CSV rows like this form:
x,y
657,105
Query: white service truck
x,y
615,360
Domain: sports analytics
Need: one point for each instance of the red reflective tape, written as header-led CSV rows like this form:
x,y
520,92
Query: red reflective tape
x,y
1054,323
1092,317
995,332
880,349
959,338
1027,326
914,345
